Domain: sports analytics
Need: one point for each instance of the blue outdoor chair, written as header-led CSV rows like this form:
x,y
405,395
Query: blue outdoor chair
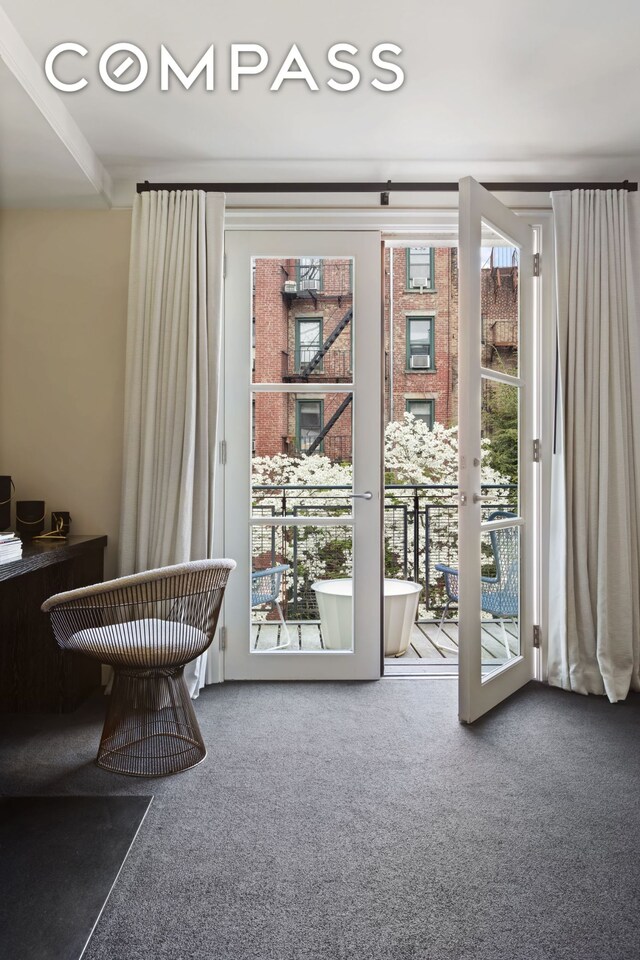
x,y
500,594
265,588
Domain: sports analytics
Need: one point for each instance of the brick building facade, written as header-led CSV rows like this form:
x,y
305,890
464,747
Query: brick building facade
x,y
302,333
297,307
421,374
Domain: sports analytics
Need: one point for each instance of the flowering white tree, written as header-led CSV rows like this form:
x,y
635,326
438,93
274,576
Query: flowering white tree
x,y
413,453
305,486
421,468
300,471
421,472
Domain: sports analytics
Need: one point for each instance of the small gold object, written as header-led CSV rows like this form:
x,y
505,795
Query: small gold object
x,y
56,534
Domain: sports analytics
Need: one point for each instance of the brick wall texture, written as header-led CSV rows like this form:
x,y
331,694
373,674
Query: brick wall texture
x,y
280,302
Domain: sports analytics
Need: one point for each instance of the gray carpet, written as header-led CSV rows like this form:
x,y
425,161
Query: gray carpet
x,y
335,821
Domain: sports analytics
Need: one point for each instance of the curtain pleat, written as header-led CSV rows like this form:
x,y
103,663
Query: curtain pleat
x,y
172,376
594,629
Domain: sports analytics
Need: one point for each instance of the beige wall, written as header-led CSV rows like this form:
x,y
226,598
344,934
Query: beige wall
x,y
63,298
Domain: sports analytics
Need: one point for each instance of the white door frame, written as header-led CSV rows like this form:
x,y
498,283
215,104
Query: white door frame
x,y
364,661
442,225
478,694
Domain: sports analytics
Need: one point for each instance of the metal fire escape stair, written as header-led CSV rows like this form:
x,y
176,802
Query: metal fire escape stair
x,y
331,339
334,419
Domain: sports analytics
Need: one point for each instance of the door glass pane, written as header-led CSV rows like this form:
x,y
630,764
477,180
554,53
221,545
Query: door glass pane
x,y
500,595
500,446
302,453
500,299
301,589
302,319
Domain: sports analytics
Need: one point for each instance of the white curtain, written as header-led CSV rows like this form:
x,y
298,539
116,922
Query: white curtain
x,y
172,374
594,627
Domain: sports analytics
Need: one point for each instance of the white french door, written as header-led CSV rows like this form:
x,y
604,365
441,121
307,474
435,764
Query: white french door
x,y
496,531
303,477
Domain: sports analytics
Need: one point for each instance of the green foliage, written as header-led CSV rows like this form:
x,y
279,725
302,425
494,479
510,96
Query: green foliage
x,y
500,422
393,566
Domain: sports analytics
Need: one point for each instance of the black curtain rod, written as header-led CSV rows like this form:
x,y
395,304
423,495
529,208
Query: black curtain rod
x,y
383,188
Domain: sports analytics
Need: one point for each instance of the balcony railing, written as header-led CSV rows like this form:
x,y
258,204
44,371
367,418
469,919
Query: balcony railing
x,y
501,333
420,530
324,278
334,368
336,448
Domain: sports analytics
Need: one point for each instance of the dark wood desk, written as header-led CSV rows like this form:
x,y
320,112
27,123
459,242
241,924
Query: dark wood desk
x,y
35,675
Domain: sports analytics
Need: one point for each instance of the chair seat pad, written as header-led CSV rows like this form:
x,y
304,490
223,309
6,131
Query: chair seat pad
x,y
141,643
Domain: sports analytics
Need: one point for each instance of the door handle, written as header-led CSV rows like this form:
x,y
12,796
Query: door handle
x,y
367,495
478,498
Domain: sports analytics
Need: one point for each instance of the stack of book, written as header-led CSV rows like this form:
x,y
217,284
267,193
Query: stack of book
x,y
10,548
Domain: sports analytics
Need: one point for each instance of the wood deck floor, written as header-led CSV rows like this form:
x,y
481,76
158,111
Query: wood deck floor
x,y
428,644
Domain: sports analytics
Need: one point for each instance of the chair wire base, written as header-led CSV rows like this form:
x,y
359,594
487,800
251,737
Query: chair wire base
x,y
150,729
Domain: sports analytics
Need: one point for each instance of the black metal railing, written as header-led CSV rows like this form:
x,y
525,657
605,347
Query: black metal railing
x,y
318,278
335,366
500,333
337,448
420,530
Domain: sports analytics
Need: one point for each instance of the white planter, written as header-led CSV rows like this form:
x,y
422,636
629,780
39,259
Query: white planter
x,y
334,599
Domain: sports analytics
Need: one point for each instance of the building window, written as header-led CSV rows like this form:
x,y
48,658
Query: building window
x,y
420,352
420,268
309,270
422,410
309,422
308,341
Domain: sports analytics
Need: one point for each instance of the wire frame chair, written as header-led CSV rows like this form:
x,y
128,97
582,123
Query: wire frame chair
x,y
499,594
147,627
265,588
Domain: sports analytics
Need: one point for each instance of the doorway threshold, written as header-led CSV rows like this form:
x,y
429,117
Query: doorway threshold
x,y
447,669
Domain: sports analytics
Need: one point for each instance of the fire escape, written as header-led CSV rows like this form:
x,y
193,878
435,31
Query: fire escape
x,y
318,357
500,334
309,287
329,424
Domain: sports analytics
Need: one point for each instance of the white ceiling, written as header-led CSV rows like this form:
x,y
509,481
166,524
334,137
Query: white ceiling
x,y
36,168
503,90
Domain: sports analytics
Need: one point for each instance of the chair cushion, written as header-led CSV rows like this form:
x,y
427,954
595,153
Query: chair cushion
x,y
141,643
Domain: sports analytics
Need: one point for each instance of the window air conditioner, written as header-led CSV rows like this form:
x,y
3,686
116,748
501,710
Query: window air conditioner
x,y
420,362
420,282
290,286
310,283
